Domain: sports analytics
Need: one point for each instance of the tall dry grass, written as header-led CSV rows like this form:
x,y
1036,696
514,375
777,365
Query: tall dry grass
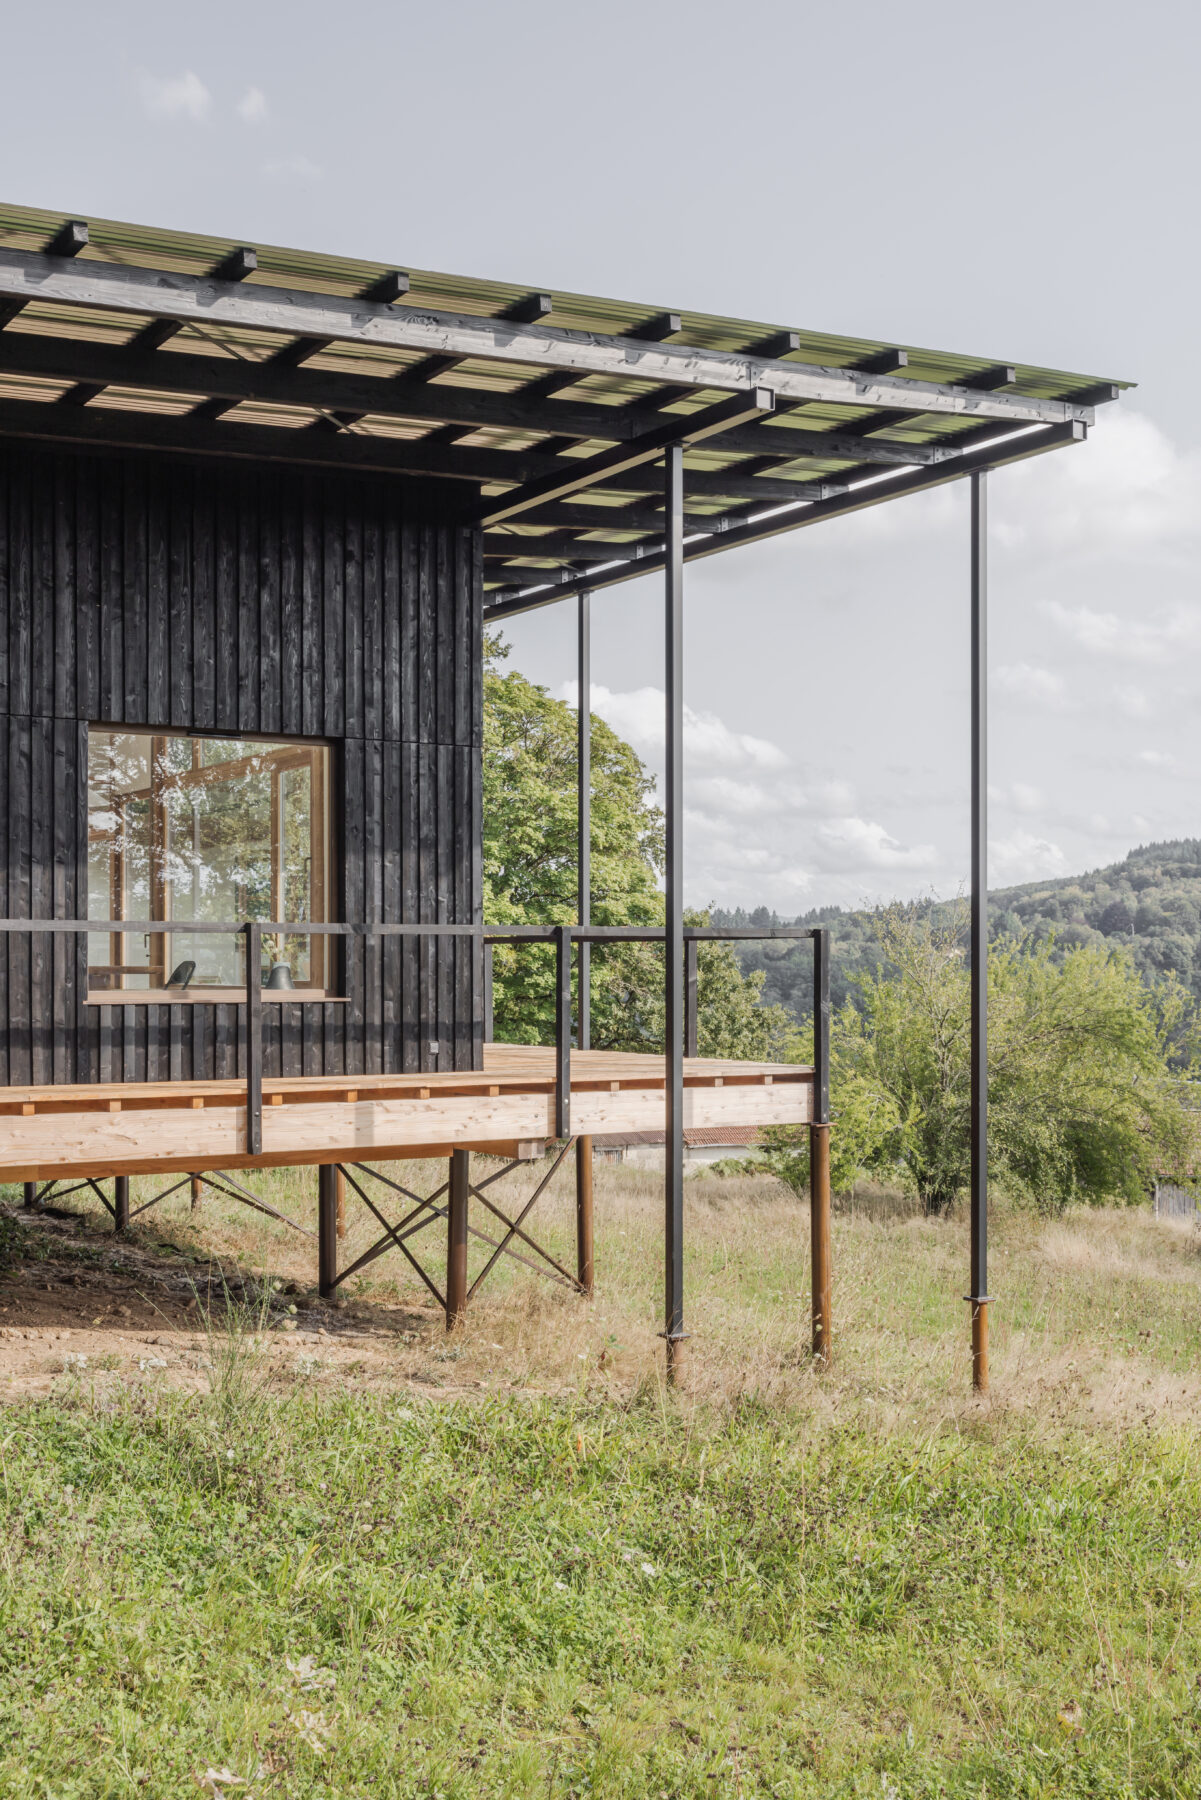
x,y
1093,1313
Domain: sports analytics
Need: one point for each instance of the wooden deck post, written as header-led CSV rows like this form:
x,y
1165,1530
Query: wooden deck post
x,y
819,1239
327,1230
456,1238
583,1213
121,1202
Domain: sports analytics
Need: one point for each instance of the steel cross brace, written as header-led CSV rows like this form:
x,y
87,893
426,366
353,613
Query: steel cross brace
x,y
427,1211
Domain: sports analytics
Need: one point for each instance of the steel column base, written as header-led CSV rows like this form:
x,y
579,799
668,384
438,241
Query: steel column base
x,y
979,1344
819,1238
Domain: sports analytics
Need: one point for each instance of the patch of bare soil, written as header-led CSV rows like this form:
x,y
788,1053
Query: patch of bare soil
x,y
76,1299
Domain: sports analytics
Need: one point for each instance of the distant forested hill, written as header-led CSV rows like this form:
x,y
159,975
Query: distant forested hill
x,y
1150,903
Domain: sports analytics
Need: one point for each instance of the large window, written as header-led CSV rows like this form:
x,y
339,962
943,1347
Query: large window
x,y
205,828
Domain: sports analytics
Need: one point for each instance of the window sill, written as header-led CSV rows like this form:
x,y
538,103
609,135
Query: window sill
x,y
210,996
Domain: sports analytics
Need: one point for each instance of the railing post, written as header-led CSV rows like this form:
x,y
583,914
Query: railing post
x,y
458,1196
691,948
562,1031
327,1229
254,1038
819,1154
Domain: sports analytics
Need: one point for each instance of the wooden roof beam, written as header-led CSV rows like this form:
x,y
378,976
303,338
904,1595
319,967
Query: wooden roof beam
x,y
584,472
68,241
296,313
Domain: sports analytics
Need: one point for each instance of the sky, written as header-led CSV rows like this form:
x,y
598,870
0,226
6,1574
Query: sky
x,y
1017,182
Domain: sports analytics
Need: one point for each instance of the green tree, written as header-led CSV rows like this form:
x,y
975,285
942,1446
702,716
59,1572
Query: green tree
x,y
1083,1104
529,798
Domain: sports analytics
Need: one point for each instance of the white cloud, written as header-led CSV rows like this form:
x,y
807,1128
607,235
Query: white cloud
x,y
1129,491
252,107
854,845
176,96
1157,759
1028,682
292,168
1176,629
1023,857
639,717
1018,795
1132,702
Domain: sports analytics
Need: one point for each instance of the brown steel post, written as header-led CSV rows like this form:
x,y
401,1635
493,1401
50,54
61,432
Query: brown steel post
x,y
121,1202
980,1346
31,1194
327,1230
819,1239
583,1213
456,1238
197,1191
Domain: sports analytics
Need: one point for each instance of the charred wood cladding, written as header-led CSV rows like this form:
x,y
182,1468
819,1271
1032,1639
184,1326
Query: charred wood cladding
x,y
309,630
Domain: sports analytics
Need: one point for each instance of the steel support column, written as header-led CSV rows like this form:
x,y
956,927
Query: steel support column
x,y
821,1278
583,1149
458,1198
674,883
327,1230
978,1297
121,1202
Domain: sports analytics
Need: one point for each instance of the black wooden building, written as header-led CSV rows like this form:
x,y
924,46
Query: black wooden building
x,y
257,507
262,602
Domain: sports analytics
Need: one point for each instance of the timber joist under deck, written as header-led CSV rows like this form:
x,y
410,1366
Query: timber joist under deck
x,y
133,1128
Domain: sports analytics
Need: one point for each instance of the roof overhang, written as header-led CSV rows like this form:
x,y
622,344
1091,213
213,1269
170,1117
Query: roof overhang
x,y
552,411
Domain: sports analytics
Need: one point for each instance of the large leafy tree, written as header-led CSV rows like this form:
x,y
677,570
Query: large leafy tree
x,y
1083,1104
530,879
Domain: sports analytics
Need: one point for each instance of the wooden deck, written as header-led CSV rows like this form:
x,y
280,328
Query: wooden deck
x,y
132,1128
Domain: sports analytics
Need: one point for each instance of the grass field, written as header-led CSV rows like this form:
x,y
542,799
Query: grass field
x,y
513,1565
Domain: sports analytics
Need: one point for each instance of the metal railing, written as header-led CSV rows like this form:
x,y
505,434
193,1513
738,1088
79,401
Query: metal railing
x,y
484,937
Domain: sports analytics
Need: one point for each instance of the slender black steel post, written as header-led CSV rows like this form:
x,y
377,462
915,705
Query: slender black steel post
x,y
458,1201
562,1031
674,935
978,1298
583,1034
821,1269
121,1203
31,1194
327,1230
584,817
254,1039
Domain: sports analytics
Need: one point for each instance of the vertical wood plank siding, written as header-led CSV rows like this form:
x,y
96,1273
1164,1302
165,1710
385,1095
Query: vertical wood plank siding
x,y
151,593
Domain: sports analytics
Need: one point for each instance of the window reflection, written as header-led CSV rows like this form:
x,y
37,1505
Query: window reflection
x,y
204,829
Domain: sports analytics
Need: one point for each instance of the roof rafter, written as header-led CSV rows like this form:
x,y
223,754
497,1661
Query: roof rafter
x,y
1016,448
610,465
